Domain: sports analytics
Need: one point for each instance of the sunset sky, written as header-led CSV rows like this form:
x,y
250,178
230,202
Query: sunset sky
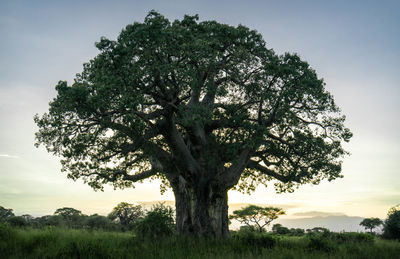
x,y
354,46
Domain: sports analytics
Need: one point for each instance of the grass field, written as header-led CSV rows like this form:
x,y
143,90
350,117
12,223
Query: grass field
x,y
71,243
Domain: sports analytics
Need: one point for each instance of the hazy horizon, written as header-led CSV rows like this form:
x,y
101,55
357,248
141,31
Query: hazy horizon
x,y
337,222
353,46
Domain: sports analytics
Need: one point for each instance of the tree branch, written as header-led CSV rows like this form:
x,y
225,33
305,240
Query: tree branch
x,y
255,165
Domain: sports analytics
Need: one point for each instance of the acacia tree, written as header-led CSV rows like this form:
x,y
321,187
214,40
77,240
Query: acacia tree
x,y
257,216
371,223
126,214
204,107
71,216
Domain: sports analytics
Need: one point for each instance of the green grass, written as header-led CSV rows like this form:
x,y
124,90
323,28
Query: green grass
x,y
70,243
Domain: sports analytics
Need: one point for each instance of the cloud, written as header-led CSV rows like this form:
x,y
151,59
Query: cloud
x,y
318,214
8,156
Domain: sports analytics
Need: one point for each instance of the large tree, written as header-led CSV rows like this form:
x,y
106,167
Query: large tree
x,y
204,107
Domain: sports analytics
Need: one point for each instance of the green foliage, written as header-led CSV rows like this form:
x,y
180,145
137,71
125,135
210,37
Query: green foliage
x,y
252,238
247,229
158,222
328,241
391,227
126,214
99,222
17,221
352,238
50,220
297,231
6,235
256,216
279,229
371,223
320,242
72,243
5,213
72,217
173,99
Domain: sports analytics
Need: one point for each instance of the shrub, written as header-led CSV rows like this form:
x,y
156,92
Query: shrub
x,y
7,235
391,227
99,222
72,217
297,232
352,237
320,242
49,220
17,221
255,239
5,213
158,222
279,229
247,229
126,214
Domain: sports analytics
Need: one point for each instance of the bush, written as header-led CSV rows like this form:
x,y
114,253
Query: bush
x,y
352,237
255,239
297,232
320,242
328,241
5,213
127,215
17,221
99,222
391,227
279,229
7,235
49,220
158,222
247,229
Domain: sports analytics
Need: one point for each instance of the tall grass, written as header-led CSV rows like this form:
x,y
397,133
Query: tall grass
x,y
70,243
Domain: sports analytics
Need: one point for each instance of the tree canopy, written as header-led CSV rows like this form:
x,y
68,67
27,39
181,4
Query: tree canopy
x,y
371,223
391,227
71,216
5,213
203,106
126,213
257,216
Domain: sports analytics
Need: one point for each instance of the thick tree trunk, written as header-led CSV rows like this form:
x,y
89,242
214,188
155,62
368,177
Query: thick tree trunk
x,y
200,209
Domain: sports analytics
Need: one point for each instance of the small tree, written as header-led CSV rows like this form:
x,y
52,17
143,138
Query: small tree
x,y
279,229
126,214
391,227
257,216
71,216
49,220
98,222
5,213
17,221
28,217
297,231
158,222
371,223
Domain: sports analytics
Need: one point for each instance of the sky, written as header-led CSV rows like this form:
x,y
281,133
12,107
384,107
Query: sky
x,y
353,45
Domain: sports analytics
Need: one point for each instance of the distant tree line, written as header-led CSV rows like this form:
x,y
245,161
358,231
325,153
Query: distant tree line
x,y
157,221
160,220
256,218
